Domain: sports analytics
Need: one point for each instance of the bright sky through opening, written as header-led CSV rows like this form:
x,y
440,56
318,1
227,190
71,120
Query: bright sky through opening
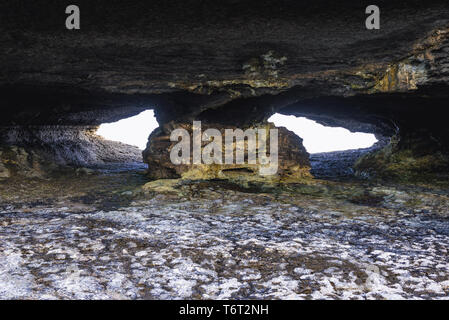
x,y
134,131
318,138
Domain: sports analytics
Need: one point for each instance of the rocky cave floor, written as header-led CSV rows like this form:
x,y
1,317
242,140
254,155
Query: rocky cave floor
x,y
104,234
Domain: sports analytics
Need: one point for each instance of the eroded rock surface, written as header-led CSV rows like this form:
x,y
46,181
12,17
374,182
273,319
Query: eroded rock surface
x,y
292,162
237,62
108,233
209,240
41,151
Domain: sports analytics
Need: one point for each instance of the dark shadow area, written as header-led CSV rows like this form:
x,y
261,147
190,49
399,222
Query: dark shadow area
x,y
338,165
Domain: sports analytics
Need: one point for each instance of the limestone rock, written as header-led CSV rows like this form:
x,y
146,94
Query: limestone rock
x,y
17,161
69,145
4,172
163,185
232,62
405,160
293,160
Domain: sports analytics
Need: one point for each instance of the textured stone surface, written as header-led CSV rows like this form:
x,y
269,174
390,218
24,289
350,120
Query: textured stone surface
x,y
204,241
236,62
406,158
38,150
293,159
125,54
20,161
109,233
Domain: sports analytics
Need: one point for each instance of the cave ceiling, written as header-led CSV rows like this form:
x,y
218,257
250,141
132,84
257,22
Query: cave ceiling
x,y
238,61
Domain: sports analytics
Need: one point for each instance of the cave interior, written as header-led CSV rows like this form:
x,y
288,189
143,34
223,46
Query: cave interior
x,y
229,65
82,217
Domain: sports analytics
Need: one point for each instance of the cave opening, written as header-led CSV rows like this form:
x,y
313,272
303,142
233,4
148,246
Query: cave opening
x,y
333,150
318,138
133,131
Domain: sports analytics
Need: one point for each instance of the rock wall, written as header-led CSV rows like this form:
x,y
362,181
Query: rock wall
x,y
407,158
39,150
229,62
18,161
293,159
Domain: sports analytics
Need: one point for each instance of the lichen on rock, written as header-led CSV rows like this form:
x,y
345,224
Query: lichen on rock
x,y
403,76
404,161
16,160
293,161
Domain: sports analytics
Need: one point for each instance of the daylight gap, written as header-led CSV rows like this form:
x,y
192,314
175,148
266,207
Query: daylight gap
x,y
133,131
318,138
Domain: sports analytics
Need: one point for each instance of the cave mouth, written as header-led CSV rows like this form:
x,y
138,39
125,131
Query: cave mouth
x,y
133,131
318,138
333,150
